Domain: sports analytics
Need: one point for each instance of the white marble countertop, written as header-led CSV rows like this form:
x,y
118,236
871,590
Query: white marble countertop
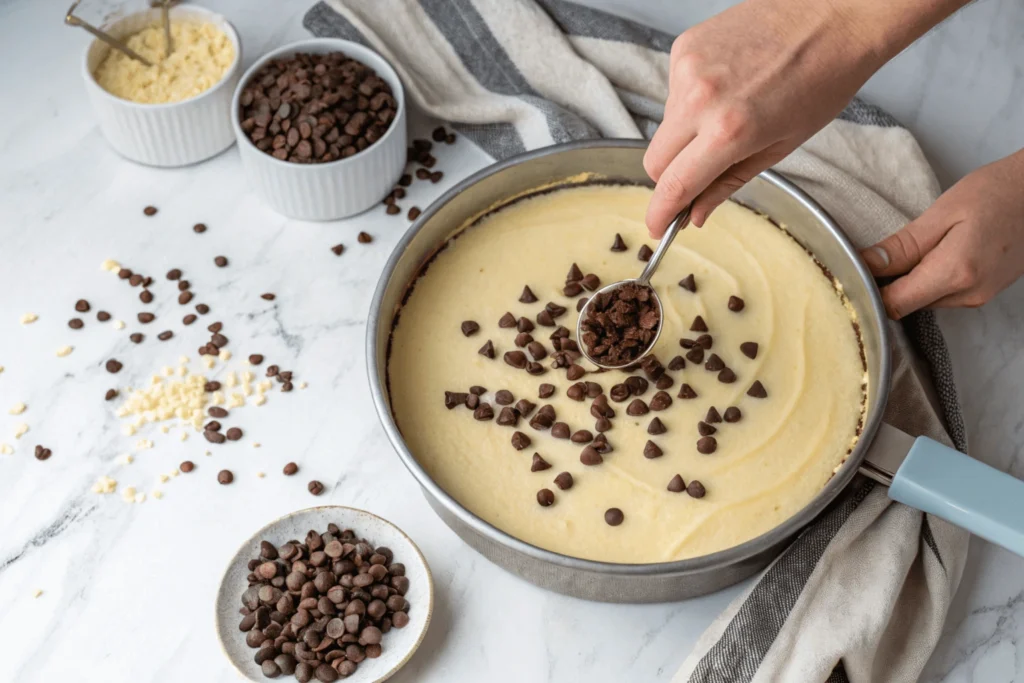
x,y
128,589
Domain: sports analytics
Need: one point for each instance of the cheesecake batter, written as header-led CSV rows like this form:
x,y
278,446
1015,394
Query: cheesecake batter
x,y
766,467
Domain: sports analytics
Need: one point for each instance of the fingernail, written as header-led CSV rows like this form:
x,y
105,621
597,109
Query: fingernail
x,y
877,258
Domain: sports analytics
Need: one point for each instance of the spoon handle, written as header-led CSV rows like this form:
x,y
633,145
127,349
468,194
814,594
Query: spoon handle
x,y
677,224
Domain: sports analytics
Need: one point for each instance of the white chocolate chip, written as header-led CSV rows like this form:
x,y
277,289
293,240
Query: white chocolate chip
x,y
28,318
140,497
209,362
230,380
110,265
143,444
167,370
261,474
128,430
183,360
20,430
126,458
217,398
163,478
118,324
302,385
237,400
104,485
256,444
5,449
182,371
260,400
248,376
165,428
65,351
247,390
224,355
128,494
158,494
37,592
175,472
1,369
183,436
17,409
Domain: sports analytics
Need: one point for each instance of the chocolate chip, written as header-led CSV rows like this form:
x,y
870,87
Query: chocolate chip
x,y
637,385
189,319
577,392
619,393
575,274
470,327
199,228
736,304
618,244
315,487
255,359
146,296
392,209
704,429
613,516
338,249
504,397
581,436
636,407
749,349
732,414
545,497
523,338
215,411
580,303
414,213
110,395
136,337
82,306
405,180
234,434
113,366
695,489
546,390
76,323
202,309
699,325
478,390
487,350
712,416
660,401
220,261
507,320
676,484
677,363
695,355
664,382
539,463
525,407
686,392
184,298
589,456
688,283
483,412
600,407
537,350
520,441
560,430
603,424
508,417
593,389
544,318
524,325
706,445
436,176
600,443
150,210
575,372
727,376
516,359
364,238
42,453
652,451
591,282
572,289
544,418
757,390
656,427
165,335
564,481
174,274
290,469
645,253
102,316
225,477
714,363
527,297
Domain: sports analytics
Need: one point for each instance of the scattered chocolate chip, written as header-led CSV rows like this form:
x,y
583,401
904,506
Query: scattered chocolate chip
x,y
202,309
393,209
619,393
676,484
478,390
590,457
645,253
677,363
184,297
405,180
736,304
189,319
732,414
613,516
174,274
199,228
637,385
695,489
315,487
593,389
524,325
664,382
220,261
150,210
506,321
508,417
523,338
651,450
695,355
187,466
749,349
688,283
704,429
364,238
111,394
136,337
470,327
165,335
575,372
414,213
575,274
255,359
637,407
714,363
577,392
102,316
436,176
290,469
545,319
560,430
618,244
603,424
146,317
660,401
564,481
225,477
699,325
591,282
504,397
757,390
338,249
727,376
42,453
656,427
580,303
516,359
537,350
686,392
712,416
546,390
234,434
545,497
483,412
581,436
113,366
527,297
539,463
146,296
520,441
572,289
82,306
706,445
487,350
76,323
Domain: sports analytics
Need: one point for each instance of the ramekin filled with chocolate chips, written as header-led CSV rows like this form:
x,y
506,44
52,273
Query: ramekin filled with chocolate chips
x,y
321,128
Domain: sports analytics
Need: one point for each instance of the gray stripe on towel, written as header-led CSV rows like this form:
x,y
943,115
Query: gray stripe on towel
x,y
737,655
324,22
578,20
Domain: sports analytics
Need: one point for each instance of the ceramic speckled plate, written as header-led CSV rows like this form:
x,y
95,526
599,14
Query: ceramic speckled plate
x,y
398,644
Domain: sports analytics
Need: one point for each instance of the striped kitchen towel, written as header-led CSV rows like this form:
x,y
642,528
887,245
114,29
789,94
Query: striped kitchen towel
x,y
861,594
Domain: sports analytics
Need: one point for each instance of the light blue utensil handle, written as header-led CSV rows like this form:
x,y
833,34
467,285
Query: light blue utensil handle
x,y
945,482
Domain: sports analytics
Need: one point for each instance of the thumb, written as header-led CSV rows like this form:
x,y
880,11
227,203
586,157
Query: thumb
x,y
900,252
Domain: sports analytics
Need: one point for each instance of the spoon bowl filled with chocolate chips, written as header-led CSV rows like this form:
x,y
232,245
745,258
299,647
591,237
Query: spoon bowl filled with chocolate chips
x,y
620,324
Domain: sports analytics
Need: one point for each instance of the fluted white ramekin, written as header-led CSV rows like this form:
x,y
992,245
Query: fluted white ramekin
x,y
336,189
172,134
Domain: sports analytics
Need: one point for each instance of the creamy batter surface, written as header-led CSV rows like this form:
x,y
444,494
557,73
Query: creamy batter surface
x,y
766,466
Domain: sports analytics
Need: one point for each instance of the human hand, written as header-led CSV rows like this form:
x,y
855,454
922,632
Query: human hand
x,y
751,84
966,248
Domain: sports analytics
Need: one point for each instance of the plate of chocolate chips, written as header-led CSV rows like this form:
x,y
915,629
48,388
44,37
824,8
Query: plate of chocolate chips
x,y
325,594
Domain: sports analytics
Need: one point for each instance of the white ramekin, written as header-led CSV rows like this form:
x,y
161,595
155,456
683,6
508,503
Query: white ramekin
x,y
336,189
172,134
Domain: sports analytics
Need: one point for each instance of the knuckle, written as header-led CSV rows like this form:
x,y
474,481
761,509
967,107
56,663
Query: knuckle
x,y
966,274
906,247
733,125
673,187
701,91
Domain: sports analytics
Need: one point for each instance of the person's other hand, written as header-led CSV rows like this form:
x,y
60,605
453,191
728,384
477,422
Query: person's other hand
x,y
966,248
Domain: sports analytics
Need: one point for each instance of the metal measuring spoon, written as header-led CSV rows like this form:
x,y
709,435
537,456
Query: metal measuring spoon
x,y
677,224
165,18
71,20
